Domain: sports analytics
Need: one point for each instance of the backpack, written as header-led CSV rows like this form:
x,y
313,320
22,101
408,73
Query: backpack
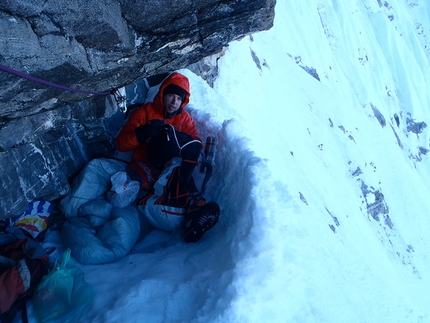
x,y
23,263
161,206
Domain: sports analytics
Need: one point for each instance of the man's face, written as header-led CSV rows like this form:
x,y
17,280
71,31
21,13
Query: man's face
x,y
172,102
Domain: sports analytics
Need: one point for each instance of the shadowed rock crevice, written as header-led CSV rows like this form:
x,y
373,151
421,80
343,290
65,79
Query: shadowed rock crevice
x,y
46,134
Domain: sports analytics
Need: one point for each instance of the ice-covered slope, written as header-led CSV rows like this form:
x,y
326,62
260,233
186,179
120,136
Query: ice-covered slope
x,y
321,172
345,214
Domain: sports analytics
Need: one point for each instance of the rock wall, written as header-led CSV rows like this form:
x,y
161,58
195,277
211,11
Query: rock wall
x,y
48,134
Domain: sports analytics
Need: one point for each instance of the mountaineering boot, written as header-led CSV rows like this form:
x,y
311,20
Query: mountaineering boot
x,y
199,219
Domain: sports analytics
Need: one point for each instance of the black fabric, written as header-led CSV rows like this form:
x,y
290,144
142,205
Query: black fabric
x,y
180,187
185,173
160,150
174,89
191,151
151,129
164,147
173,143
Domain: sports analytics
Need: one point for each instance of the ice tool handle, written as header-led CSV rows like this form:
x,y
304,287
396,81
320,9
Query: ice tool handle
x,y
206,163
209,153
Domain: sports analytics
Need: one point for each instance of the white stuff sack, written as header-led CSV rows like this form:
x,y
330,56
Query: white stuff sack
x,y
124,190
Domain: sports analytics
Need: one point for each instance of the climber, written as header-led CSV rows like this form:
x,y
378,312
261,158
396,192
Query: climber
x,y
159,131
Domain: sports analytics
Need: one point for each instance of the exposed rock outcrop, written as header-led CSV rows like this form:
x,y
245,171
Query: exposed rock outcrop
x,y
47,134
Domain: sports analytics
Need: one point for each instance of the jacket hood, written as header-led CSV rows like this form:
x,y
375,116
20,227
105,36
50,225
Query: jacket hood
x,y
177,79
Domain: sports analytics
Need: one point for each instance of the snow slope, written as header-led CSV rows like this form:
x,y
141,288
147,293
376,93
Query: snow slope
x,y
322,176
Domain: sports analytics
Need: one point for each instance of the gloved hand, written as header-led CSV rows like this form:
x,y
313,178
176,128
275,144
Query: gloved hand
x,y
181,137
151,129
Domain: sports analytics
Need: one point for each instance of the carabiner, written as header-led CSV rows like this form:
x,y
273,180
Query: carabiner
x,y
121,99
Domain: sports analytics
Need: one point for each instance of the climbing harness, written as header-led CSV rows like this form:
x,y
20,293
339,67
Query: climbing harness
x,y
119,97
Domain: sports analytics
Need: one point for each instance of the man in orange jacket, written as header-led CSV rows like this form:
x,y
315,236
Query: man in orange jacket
x,y
160,130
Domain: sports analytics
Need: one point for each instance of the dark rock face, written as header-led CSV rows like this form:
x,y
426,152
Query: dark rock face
x,y
47,134
100,45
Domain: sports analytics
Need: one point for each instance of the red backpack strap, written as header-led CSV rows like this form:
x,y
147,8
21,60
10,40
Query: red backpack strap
x,y
26,264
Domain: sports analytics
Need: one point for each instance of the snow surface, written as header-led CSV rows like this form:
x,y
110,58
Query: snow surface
x,y
323,184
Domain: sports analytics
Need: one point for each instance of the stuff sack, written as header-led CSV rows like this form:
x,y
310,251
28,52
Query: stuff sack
x,y
124,191
161,208
62,291
23,263
34,220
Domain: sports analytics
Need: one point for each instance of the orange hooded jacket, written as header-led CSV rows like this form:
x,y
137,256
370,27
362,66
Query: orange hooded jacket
x,y
126,139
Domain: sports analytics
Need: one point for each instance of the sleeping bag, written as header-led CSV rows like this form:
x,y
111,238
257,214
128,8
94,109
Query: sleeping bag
x,y
97,231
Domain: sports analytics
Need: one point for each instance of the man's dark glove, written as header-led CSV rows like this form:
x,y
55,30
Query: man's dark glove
x,y
181,137
151,129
